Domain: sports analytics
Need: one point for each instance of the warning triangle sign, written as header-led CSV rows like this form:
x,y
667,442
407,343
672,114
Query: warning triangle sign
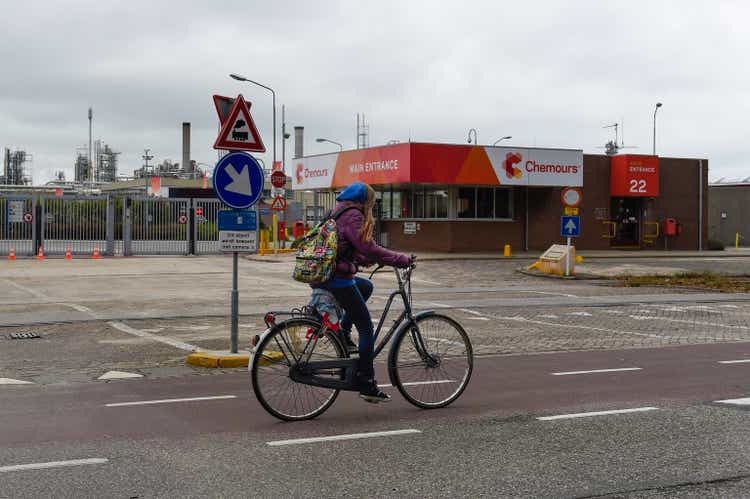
x,y
279,204
238,131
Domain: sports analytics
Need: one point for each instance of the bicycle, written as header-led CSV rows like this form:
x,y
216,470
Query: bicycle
x,y
300,365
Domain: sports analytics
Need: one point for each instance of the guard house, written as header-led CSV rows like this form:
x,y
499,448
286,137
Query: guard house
x,y
451,197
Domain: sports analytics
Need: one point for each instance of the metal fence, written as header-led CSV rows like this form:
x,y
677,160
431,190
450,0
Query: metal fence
x,y
118,226
206,236
80,224
157,226
17,225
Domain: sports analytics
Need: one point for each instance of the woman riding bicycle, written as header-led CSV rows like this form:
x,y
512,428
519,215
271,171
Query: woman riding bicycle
x,y
356,247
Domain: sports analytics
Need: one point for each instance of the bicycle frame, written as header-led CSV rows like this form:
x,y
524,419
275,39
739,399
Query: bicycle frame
x,y
305,372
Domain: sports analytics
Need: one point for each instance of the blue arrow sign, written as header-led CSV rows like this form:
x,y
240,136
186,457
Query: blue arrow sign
x,y
237,220
570,226
238,180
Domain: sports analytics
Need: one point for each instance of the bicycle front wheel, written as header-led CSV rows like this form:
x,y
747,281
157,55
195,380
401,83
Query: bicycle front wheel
x,y
283,348
431,361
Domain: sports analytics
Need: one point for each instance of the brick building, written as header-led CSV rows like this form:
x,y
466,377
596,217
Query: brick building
x,y
446,197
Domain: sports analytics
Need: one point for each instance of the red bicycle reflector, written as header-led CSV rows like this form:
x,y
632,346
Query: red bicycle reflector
x,y
268,319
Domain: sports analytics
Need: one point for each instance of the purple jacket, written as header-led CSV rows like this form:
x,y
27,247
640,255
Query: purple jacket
x,y
353,251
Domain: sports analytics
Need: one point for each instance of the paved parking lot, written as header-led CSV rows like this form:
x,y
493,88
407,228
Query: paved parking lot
x,y
144,315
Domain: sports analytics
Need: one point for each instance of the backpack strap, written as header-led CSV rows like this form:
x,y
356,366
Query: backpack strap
x,y
337,215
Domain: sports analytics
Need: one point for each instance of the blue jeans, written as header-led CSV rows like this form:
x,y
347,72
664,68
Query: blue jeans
x,y
352,299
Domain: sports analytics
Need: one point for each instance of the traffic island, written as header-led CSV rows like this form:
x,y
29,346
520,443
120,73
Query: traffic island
x,y
219,359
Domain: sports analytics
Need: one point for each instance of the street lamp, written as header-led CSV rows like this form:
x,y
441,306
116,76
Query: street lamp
x,y
502,138
341,148
658,105
273,94
475,135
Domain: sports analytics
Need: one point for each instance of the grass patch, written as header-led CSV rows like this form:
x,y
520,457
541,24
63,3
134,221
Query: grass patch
x,y
700,280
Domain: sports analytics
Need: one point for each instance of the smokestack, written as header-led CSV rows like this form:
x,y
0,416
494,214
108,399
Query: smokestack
x,y
299,136
187,166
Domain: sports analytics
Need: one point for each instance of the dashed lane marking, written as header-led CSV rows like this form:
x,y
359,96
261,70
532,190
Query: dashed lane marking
x,y
161,339
579,314
119,375
426,281
52,464
597,371
549,293
597,413
171,401
350,436
439,305
81,308
740,361
10,381
416,383
742,401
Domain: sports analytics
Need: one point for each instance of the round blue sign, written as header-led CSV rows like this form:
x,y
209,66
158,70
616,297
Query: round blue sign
x,y
238,180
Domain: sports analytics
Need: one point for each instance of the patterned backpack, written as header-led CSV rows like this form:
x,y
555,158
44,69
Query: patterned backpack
x,y
316,252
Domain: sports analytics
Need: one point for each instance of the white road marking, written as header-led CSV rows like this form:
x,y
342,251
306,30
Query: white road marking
x,y
549,316
32,292
351,436
161,339
596,371
742,401
425,281
740,361
597,413
80,308
9,381
550,293
439,305
171,401
478,318
198,328
683,321
119,375
415,383
52,464
474,312
729,306
580,314
616,312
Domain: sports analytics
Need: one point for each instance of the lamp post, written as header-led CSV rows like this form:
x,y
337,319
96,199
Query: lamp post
x,y
502,138
656,108
475,135
319,139
273,95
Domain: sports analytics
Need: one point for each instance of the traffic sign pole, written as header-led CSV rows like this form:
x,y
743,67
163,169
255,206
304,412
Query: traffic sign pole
x,y
234,335
567,260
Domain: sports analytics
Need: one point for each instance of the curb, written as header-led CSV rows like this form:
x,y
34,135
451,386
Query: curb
x,y
583,276
218,359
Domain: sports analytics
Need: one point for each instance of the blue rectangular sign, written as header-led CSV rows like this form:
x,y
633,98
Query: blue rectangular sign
x,y
237,220
570,226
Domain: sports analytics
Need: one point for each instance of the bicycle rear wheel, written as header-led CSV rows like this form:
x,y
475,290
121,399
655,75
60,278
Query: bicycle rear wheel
x,y
431,361
277,352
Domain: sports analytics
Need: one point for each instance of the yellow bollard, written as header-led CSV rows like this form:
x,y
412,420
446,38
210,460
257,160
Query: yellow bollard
x,y
737,241
506,251
579,259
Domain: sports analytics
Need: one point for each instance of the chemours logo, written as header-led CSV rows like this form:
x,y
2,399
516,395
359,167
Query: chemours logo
x,y
302,173
511,159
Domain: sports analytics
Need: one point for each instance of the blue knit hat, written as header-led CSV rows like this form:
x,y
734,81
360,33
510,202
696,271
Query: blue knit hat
x,y
356,192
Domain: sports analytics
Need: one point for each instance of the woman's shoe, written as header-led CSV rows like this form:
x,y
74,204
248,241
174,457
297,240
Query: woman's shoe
x,y
371,393
346,340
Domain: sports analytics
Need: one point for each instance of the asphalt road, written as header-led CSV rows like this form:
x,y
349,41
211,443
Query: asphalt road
x,y
489,443
665,357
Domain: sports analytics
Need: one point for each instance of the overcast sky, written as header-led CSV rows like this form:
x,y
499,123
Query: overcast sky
x,y
550,74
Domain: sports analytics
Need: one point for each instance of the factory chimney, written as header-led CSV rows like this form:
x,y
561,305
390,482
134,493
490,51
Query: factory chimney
x,y
299,133
187,166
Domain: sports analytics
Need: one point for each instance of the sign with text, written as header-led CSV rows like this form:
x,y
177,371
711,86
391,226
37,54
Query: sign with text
x,y
633,175
241,241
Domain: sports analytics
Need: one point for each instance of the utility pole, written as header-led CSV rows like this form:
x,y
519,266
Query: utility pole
x,y
91,164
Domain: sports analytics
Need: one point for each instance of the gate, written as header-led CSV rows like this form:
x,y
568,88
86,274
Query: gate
x,y
17,225
80,223
157,226
206,230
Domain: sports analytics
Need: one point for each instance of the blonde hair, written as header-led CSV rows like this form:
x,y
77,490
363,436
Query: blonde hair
x,y
369,224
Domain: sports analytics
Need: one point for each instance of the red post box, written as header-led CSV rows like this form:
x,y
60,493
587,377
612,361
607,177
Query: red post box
x,y
670,227
298,229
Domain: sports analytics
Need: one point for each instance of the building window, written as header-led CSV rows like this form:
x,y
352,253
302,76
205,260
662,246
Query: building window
x,y
485,202
467,206
503,203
